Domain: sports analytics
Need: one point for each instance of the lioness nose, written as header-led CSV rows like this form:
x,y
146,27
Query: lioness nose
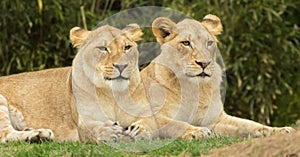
x,y
120,67
203,64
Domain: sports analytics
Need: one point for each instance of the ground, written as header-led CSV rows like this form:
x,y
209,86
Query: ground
x,y
287,145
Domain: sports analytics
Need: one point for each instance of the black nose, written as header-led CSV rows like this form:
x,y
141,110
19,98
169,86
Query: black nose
x,y
203,64
120,67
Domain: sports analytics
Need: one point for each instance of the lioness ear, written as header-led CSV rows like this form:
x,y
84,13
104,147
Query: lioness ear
x,y
133,32
78,35
213,24
164,29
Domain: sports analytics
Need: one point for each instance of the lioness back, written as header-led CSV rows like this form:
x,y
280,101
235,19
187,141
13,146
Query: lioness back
x,y
43,98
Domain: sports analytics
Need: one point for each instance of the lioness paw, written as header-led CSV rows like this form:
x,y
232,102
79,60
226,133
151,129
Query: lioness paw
x,y
196,133
137,131
284,129
118,135
110,132
268,131
38,135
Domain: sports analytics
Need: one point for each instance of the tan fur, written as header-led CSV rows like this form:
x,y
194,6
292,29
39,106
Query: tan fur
x,y
188,95
39,100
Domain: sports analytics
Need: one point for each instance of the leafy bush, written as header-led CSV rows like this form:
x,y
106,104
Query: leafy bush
x,y
260,45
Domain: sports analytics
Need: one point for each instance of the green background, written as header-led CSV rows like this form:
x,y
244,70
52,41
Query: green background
x,y
259,45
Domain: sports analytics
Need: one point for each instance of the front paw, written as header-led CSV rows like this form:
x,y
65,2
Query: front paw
x,y
196,133
109,132
281,130
268,131
137,131
38,135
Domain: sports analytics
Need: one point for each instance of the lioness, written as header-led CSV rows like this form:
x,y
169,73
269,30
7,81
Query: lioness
x,y
190,79
75,103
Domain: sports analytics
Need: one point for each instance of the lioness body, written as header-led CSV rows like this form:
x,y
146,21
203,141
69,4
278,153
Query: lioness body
x,y
44,99
190,78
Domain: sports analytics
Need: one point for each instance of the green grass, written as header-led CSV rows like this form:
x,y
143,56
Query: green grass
x,y
146,148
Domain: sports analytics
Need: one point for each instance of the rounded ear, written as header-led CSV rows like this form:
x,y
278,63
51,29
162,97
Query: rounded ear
x,y
164,29
133,32
78,35
213,24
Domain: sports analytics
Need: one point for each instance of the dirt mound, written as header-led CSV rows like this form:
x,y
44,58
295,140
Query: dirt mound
x,y
287,145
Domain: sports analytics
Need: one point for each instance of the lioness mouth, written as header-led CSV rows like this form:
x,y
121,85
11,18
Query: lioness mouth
x,y
120,77
203,74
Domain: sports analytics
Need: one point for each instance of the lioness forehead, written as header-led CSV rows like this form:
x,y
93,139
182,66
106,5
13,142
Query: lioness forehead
x,y
108,35
106,32
193,28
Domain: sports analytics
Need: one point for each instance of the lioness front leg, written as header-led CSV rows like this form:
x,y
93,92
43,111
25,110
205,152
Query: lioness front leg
x,y
9,133
233,126
163,127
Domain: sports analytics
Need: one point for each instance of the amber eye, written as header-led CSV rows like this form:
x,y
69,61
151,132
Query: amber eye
x,y
102,48
127,47
209,43
186,43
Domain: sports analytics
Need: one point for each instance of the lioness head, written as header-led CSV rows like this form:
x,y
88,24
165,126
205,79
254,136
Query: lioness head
x,y
107,55
189,44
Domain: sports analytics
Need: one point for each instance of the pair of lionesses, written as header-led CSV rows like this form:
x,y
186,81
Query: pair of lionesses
x,y
177,95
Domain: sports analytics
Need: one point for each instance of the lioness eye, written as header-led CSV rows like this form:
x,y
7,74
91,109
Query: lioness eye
x,y
186,43
127,47
102,48
209,43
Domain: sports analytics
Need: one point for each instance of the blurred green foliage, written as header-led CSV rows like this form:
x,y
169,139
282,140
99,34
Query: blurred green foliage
x,y
260,45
